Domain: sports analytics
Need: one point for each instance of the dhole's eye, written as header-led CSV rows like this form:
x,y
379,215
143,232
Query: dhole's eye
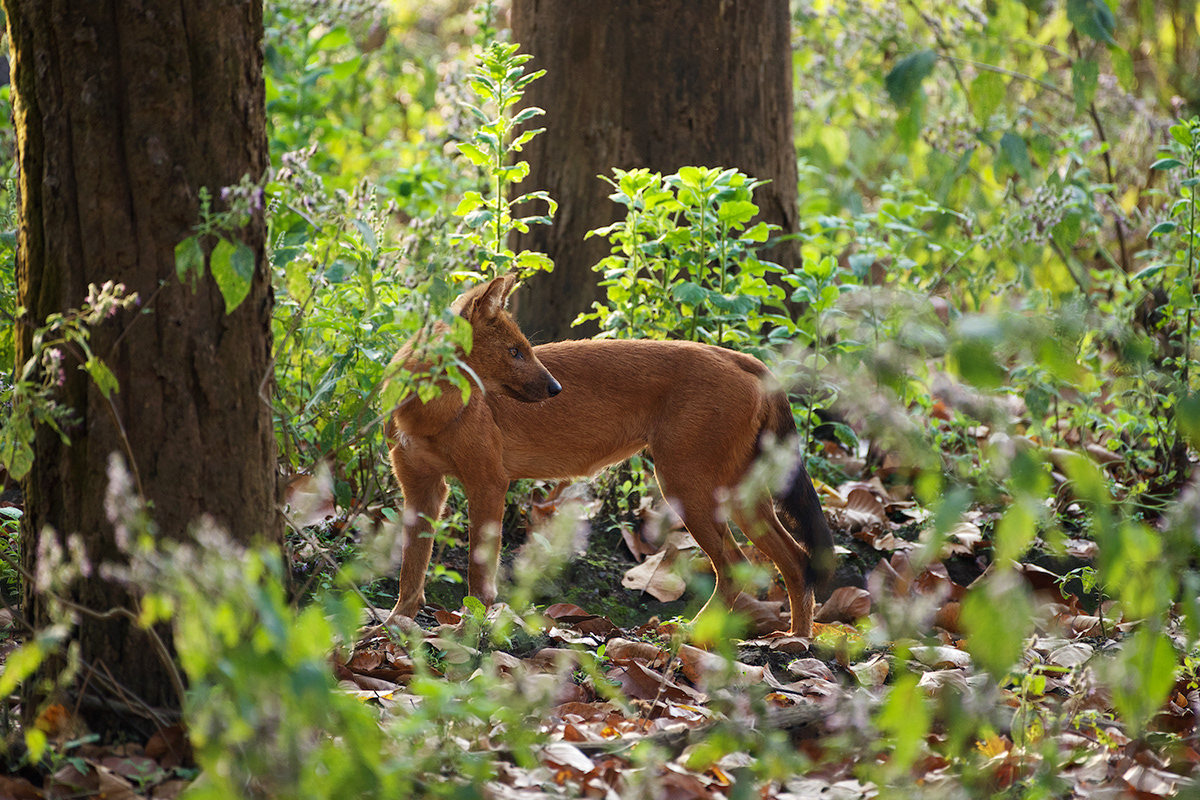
x,y
514,352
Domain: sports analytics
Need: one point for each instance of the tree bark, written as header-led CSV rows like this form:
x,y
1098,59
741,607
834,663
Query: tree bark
x,y
647,83
124,109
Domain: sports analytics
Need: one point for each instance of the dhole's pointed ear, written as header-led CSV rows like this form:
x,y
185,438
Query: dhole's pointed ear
x,y
487,300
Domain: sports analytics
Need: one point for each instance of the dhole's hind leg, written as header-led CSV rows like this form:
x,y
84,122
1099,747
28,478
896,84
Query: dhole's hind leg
x,y
773,539
699,512
424,494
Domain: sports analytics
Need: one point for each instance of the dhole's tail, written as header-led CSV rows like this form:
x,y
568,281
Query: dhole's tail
x,y
798,499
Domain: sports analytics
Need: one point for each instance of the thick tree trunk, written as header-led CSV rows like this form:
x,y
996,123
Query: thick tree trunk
x,y
647,83
123,111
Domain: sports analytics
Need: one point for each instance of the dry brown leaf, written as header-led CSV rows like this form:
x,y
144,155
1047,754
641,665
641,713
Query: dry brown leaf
x,y
565,497
810,668
764,615
1071,655
846,604
169,790
170,747
636,543
69,779
114,786
624,648
18,789
1085,549
140,768
942,657
698,664
884,540
962,540
1150,780
948,617
863,509
1102,455
554,659
937,680
564,754
639,682
782,642
655,577
564,610
310,497
871,673
367,683
445,617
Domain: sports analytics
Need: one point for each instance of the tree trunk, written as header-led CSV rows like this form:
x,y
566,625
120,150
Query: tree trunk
x,y
647,83
123,111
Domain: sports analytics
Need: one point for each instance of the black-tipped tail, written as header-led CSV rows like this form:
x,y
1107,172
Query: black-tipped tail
x,y
799,502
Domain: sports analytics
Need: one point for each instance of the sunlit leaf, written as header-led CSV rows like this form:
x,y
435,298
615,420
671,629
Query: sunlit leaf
x,y
232,268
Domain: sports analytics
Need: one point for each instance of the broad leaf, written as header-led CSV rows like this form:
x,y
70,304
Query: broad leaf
x,y
904,81
189,261
233,269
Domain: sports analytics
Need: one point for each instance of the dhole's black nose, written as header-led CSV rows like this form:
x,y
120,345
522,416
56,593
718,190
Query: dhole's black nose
x,y
554,388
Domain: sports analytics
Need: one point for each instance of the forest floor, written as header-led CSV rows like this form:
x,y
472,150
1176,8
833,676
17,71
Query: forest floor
x,y
887,696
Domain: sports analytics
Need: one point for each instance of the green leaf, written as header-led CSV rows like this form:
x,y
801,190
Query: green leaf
x,y
986,94
296,281
469,202
1015,154
367,234
1166,163
528,261
524,139
998,616
21,664
736,212
758,233
476,608
527,114
232,268
1122,66
904,80
1149,272
1182,133
693,294
15,453
907,717
106,382
343,70
1141,677
1187,414
189,261
976,360
474,153
1092,18
1085,76
338,37
1163,227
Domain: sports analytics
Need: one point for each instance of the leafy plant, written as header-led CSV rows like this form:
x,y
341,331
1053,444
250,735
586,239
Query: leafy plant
x,y
231,261
685,261
499,82
62,340
1173,266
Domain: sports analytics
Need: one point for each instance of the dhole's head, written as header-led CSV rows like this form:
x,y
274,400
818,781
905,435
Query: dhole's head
x,y
500,353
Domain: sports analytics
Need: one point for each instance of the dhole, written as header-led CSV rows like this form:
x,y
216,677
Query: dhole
x,y
568,409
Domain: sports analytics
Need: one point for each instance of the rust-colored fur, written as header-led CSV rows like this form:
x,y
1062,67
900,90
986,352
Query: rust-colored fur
x,y
704,413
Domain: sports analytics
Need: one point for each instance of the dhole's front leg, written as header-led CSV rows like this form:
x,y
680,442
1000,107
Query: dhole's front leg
x,y
424,494
485,506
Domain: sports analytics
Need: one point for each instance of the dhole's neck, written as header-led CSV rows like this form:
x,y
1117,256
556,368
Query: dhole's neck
x,y
411,416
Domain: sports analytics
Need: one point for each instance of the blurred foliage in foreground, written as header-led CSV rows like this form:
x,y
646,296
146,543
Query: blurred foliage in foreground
x,y
999,279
